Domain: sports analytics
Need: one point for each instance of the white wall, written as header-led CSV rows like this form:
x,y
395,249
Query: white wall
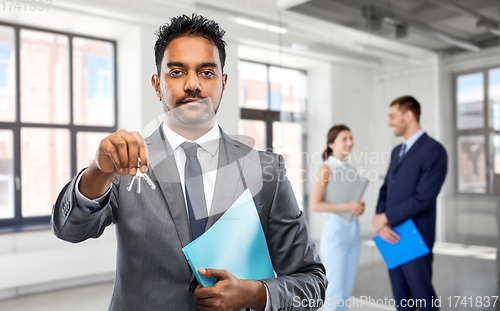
x,y
355,107
229,109
320,79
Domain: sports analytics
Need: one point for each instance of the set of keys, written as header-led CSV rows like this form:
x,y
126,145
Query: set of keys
x,y
138,176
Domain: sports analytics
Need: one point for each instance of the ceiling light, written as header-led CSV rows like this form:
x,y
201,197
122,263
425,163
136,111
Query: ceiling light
x,y
259,25
249,23
277,29
300,47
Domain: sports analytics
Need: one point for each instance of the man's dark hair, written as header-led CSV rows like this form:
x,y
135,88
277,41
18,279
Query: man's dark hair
x,y
182,26
408,103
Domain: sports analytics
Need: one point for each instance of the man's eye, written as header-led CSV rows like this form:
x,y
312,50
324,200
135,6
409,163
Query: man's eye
x,y
207,73
174,73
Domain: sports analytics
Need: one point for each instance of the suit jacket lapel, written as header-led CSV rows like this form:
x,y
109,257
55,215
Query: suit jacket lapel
x,y
164,170
228,185
419,141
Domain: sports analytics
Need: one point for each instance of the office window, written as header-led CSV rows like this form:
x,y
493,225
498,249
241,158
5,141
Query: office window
x,y
496,153
477,127
44,71
4,64
66,105
288,89
255,129
288,141
253,85
93,97
273,103
7,83
45,168
86,146
470,101
472,161
6,174
494,99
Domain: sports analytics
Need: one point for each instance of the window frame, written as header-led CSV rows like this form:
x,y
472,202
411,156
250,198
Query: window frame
x,y
18,222
486,132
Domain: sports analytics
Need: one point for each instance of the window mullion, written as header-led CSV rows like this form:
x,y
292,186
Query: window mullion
x,y
486,130
17,128
72,129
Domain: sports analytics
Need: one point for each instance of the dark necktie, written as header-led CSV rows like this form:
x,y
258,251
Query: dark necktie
x,y
195,195
402,153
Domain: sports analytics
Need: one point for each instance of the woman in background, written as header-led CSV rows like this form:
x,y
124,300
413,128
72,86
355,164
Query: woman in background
x,y
340,242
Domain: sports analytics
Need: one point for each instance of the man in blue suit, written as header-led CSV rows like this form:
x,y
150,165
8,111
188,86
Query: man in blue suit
x,y
416,173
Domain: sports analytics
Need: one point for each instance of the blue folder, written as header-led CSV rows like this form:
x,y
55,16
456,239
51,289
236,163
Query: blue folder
x,y
410,246
236,242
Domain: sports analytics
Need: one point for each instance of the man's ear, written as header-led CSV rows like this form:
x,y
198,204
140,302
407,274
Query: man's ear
x,y
224,81
155,82
408,115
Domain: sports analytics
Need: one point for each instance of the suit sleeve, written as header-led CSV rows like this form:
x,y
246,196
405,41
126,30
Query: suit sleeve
x,y
72,224
383,190
300,273
431,180
382,197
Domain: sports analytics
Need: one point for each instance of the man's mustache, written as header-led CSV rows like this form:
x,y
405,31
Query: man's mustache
x,y
189,95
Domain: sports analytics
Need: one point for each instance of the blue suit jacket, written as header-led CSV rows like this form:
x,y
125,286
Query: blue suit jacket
x,y
411,187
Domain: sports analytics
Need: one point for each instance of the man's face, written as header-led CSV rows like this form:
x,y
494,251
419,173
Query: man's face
x,y
398,120
191,82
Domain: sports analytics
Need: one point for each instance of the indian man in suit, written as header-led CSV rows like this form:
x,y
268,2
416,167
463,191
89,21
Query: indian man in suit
x,y
416,173
198,171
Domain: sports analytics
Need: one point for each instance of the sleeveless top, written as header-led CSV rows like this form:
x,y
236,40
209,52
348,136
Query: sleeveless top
x,y
339,169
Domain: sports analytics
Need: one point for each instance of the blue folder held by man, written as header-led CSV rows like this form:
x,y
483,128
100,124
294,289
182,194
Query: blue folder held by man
x,y
236,243
410,246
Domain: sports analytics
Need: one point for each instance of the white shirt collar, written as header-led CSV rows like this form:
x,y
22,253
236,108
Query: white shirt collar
x,y
209,142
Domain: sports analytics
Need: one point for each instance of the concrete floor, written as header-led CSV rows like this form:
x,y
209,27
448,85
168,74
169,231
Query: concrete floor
x,y
459,270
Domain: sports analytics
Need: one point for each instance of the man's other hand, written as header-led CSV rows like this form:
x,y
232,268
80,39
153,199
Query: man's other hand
x,y
229,293
389,235
379,221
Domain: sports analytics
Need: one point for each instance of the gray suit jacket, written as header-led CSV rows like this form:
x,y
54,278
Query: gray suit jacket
x,y
151,229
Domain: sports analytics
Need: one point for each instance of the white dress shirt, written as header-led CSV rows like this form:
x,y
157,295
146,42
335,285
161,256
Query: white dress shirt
x,y
208,156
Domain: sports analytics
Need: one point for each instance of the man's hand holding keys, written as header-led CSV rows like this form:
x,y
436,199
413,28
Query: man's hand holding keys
x,y
118,153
